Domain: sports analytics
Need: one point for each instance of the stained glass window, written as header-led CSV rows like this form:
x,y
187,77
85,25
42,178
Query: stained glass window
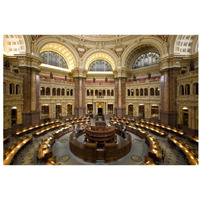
x,y
53,58
100,65
146,59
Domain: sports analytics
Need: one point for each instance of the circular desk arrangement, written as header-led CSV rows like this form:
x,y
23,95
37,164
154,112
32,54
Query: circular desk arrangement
x,y
100,144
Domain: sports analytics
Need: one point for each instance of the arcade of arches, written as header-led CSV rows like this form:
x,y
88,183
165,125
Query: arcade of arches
x,y
150,77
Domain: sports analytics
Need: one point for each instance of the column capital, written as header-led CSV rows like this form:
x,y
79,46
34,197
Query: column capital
x,y
120,72
29,61
79,72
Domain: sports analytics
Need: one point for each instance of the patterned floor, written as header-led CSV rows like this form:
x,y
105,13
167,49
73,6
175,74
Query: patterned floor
x,y
28,154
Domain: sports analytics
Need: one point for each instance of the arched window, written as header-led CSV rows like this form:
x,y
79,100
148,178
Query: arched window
x,y
88,93
145,92
108,92
67,92
106,79
129,92
53,58
112,92
63,92
96,92
157,91
17,89
94,80
104,92
195,89
11,88
187,89
58,91
152,92
137,92
91,93
181,90
100,93
141,92
42,91
54,91
47,91
100,65
71,92
132,92
146,59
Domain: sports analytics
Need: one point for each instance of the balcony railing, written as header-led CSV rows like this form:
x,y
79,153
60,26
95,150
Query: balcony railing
x,y
188,74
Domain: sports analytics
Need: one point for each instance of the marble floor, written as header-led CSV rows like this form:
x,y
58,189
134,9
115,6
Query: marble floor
x,y
28,154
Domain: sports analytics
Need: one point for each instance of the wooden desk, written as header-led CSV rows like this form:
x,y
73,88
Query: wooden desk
x,y
191,156
10,155
39,132
6,139
59,133
52,161
193,138
155,150
166,127
149,161
26,130
45,151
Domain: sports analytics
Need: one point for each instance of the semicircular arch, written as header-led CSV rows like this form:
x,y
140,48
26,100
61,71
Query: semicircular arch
x,y
96,54
152,41
65,50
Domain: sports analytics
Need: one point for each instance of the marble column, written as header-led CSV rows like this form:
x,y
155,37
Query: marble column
x,y
168,114
31,112
120,96
79,96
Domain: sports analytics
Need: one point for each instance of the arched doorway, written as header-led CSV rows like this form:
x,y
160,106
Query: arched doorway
x,y
185,116
141,111
90,108
13,115
130,110
154,111
100,109
45,111
69,109
58,111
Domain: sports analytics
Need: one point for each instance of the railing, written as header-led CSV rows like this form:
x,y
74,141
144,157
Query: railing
x,y
42,80
188,74
13,74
